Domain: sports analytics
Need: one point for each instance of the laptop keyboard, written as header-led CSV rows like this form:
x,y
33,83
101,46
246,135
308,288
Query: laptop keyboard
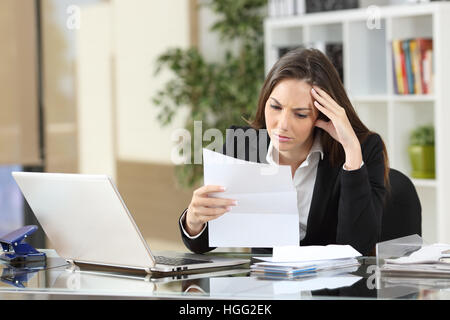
x,y
178,261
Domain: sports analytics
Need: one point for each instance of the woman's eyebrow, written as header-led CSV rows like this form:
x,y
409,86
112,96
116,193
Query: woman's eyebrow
x,y
306,108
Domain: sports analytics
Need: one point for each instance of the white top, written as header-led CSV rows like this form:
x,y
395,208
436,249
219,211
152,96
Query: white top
x,y
304,180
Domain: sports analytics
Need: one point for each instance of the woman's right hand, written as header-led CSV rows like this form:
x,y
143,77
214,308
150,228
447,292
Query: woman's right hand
x,y
204,208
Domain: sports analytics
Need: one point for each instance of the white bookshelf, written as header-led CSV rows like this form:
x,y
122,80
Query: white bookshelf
x,y
369,82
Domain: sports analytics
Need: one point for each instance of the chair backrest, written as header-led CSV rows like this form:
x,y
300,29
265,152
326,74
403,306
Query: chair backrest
x,y
402,215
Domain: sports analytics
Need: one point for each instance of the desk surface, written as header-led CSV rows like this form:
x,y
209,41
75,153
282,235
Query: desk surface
x,y
60,278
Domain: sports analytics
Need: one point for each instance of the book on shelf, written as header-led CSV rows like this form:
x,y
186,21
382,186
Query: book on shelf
x,y
412,66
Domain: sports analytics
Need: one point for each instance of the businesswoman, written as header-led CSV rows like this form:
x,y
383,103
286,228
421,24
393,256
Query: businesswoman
x,y
339,167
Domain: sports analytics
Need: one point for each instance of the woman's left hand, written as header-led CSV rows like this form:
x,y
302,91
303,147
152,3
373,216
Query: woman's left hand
x,y
338,127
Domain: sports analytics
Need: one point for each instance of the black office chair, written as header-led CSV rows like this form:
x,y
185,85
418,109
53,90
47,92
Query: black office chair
x,y
402,215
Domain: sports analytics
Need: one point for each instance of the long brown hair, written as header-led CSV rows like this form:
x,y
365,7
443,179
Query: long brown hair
x,y
313,67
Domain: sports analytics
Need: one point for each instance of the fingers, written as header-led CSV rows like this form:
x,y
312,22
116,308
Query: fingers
x,y
326,101
201,215
208,189
201,197
318,97
339,127
322,94
322,124
204,208
325,111
214,202
211,212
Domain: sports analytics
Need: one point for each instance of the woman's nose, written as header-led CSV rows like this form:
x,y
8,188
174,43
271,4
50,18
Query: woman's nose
x,y
284,121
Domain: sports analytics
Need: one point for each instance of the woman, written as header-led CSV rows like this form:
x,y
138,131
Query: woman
x,y
339,168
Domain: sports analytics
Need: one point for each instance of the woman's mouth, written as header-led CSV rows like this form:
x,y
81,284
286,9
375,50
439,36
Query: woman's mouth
x,y
281,138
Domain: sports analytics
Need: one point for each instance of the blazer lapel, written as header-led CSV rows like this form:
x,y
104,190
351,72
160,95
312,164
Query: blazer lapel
x,y
323,187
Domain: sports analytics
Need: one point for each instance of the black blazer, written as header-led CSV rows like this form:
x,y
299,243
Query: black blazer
x,y
346,206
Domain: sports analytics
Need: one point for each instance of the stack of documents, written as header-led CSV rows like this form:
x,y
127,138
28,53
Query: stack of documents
x,y
291,262
294,270
430,260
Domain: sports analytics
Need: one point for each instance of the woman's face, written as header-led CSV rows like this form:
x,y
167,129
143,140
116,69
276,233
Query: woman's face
x,y
290,116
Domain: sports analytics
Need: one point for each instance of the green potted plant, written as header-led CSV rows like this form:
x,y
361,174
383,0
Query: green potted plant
x,y
421,152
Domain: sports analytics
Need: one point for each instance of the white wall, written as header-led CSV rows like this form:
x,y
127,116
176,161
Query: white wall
x,y
94,92
210,44
142,31
117,46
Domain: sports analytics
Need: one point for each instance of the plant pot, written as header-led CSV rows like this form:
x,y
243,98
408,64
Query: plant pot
x,y
422,161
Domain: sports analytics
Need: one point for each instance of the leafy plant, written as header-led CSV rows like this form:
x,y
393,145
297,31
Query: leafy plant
x,y
423,136
219,94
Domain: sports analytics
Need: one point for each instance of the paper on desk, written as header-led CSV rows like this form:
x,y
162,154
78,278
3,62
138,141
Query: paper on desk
x,y
426,254
266,214
311,253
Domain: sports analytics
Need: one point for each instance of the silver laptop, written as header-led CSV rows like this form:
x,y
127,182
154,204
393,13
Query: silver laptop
x,y
87,222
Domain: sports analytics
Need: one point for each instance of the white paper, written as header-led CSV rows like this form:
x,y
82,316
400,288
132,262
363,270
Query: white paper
x,y
427,254
311,253
266,214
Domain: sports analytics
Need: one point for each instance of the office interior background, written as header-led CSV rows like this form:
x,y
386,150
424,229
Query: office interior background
x,y
78,82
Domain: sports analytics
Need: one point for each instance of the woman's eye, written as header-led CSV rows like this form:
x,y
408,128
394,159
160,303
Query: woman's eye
x,y
275,107
298,115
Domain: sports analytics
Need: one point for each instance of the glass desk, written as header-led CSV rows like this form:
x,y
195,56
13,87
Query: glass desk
x,y
62,280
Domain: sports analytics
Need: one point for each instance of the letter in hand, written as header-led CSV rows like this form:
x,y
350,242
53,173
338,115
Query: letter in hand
x,y
204,208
